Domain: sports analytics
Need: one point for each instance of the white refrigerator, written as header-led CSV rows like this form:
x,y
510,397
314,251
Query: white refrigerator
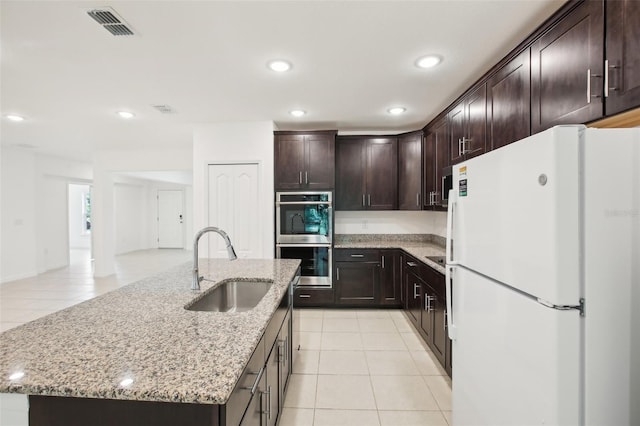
x,y
543,281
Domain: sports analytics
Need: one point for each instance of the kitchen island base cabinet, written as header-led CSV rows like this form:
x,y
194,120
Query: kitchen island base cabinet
x,y
67,411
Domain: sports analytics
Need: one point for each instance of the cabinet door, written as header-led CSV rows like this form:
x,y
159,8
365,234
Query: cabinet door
x,y
413,287
350,174
441,133
509,102
623,55
426,312
389,278
289,161
320,162
271,391
439,336
475,117
254,416
382,174
283,346
567,70
429,172
356,283
457,132
410,172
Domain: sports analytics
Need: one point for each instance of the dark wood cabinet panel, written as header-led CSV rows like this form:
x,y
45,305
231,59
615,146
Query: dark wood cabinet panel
x,y
475,141
304,160
413,289
366,173
320,160
410,171
356,283
382,174
623,55
289,161
468,126
312,297
456,133
509,102
567,69
350,174
436,159
390,278
426,316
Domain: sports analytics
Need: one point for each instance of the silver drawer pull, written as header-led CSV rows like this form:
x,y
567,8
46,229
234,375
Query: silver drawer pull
x,y
255,384
304,296
412,264
357,255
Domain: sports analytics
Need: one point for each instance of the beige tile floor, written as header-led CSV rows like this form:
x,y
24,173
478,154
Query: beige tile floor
x,y
364,367
355,367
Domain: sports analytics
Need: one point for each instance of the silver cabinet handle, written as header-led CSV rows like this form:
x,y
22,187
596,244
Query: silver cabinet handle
x,y
412,264
300,178
369,196
357,255
431,198
363,203
418,199
427,303
607,67
306,177
337,274
589,77
281,351
444,326
267,393
304,296
415,290
383,261
460,147
443,194
255,384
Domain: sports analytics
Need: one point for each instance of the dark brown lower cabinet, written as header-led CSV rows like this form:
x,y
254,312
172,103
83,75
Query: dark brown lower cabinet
x,y
312,297
357,283
426,307
390,289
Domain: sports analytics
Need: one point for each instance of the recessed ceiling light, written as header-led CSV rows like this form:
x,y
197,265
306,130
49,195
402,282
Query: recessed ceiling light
x,y
126,114
428,61
14,117
396,110
279,65
297,112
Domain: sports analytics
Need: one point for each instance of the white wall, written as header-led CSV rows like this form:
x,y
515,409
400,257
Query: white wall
x,y
18,231
107,164
131,217
391,222
232,143
78,238
34,211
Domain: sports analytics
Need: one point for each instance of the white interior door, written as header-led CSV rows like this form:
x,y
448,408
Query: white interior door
x,y
234,207
170,219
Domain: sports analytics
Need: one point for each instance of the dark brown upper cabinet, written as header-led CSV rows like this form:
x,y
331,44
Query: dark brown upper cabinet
x,y
468,125
304,160
509,102
366,173
567,69
622,64
410,171
436,158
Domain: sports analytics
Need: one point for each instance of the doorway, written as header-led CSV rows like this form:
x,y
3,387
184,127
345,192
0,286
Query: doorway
x,y
170,219
79,223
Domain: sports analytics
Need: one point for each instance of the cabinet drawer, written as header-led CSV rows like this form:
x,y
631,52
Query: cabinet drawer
x,y
312,297
356,255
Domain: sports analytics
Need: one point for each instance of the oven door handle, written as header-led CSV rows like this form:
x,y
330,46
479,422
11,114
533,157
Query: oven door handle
x,y
305,203
304,245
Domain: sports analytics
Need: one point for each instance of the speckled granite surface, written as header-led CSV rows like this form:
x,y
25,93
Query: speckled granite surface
x,y
142,331
417,245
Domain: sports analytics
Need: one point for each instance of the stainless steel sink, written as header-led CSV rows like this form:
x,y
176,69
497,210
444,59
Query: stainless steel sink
x,y
232,296
438,259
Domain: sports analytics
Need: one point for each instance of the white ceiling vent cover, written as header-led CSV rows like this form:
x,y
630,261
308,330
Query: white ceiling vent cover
x,y
111,21
165,109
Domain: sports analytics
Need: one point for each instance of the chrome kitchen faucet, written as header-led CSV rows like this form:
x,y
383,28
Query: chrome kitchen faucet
x,y
195,284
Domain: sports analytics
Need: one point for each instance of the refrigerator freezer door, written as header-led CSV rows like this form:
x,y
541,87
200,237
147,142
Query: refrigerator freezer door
x,y
517,215
516,362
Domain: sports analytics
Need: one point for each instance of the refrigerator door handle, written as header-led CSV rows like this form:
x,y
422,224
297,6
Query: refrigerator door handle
x,y
453,199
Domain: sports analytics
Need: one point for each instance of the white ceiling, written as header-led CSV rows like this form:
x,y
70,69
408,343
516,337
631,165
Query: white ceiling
x,y
207,59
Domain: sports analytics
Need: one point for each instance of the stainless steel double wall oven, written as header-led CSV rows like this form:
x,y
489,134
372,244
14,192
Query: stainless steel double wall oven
x,y
304,230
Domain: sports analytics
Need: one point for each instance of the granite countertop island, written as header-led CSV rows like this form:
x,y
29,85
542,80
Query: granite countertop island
x,y
143,333
418,245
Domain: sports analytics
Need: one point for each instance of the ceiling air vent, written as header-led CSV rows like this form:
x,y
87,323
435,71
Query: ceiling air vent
x,y
110,20
165,109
